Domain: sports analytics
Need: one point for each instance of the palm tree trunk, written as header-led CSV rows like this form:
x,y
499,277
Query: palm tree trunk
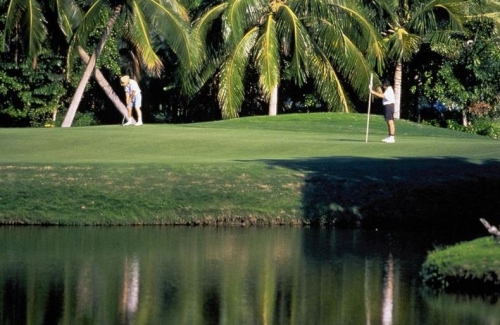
x,y
273,102
106,87
77,97
398,76
465,121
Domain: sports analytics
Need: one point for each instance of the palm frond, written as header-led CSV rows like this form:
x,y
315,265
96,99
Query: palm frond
x,y
293,32
176,31
403,45
388,9
177,7
358,25
14,11
139,36
329,85
69,16
310,8
346,59
196,78
93,17
202,24
353,66
36,28
451,15
440,37
241,15
232,88
487,9
28,14
267,57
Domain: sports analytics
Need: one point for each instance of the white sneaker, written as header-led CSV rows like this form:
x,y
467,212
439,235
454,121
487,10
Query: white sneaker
x,y
128,123
389,140
139,123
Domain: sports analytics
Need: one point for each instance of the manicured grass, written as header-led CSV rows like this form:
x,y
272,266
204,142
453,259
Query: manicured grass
x,y
473,265
298,168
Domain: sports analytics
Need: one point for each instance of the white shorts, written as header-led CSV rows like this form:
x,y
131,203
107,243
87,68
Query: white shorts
x,y
136,102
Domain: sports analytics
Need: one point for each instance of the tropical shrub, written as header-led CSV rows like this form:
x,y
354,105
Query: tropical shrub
x,y
31,97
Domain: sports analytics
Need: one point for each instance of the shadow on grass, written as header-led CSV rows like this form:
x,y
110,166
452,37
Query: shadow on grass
x,y
415,193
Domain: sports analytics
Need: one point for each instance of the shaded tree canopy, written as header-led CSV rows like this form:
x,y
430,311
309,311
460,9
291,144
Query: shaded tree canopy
x,y
258,55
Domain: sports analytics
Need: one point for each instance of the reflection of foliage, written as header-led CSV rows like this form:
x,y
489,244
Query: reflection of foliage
x,y
225,275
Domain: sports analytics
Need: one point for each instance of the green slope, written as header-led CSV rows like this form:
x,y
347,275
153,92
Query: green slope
x,y
286,169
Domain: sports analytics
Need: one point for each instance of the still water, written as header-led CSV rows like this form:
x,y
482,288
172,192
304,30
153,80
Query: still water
x,y
191,276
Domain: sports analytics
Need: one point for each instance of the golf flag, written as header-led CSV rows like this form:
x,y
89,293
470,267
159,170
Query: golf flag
x,y
369,107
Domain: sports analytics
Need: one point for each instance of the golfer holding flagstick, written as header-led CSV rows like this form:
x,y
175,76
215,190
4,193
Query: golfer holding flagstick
x,y
388,100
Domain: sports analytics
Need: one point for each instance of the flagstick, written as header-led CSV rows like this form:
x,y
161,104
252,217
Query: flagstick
x,y
369,107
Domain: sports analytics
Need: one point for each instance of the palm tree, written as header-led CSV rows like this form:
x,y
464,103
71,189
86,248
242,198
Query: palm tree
x,y
26,20
167,19
70,16
409,23
326,41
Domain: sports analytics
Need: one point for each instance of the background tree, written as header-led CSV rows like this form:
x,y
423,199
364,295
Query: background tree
x,y
143,18
407,24
31,97
330,43
35,18
32,84
69,17
459,81
25,27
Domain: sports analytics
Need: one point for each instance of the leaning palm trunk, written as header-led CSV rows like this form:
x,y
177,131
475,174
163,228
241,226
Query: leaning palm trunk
x,y
77,97
273,102
106,87
398,75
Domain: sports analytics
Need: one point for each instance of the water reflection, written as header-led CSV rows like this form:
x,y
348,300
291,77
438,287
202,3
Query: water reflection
x,y
219,276
388,298
130,296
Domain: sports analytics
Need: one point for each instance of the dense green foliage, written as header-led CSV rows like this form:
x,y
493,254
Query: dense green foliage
x,y
31,97
458,88
317,56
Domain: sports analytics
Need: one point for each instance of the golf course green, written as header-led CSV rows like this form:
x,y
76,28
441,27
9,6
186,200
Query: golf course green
x,y
290,169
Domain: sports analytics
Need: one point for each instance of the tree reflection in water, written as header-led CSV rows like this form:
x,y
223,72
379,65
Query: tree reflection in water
x,y
388,303
191,276
130,295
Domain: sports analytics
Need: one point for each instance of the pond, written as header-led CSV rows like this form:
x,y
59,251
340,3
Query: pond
x,y
227,275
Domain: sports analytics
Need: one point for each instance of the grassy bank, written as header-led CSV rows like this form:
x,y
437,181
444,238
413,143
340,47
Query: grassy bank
x,y
289,169
471,266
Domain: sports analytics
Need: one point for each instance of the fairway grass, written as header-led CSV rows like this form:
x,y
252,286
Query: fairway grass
x,y
288,169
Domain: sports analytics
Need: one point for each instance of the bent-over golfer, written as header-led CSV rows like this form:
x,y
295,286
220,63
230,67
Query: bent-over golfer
x,y
133,99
